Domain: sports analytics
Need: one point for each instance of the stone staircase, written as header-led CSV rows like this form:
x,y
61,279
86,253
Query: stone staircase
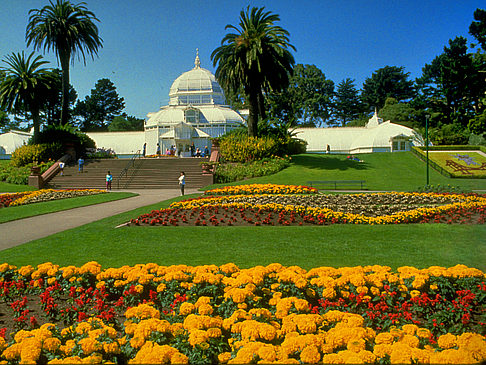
x,y
143,173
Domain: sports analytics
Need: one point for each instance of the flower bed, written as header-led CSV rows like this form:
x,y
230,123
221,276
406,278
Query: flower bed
x,y
210,314
262,189
28,197
298,209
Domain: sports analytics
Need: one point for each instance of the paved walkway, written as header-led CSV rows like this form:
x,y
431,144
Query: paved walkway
x,y
17,232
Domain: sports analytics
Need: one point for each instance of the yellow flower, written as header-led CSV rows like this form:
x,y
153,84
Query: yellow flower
x,y
310,355
447,341
186,308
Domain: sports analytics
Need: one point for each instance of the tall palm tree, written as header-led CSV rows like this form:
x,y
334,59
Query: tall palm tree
x,y
69,30
25,86
256,57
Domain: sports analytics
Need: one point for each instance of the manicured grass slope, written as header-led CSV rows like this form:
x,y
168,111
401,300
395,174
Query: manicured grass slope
x,y
381,171
14,188
339,245
30,210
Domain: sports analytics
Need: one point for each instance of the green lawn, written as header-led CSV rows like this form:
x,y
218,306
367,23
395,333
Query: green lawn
x,y
30,210
14,188
400,171
338,245
310,246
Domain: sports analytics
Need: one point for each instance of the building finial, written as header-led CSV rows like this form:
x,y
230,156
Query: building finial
x,y
197,62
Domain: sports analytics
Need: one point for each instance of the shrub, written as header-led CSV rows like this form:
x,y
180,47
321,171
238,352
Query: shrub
x,y
239,171
20,175
36,153
66,136
240,148
98,153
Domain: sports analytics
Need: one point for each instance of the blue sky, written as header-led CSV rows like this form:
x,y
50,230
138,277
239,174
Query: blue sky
x,y
147,44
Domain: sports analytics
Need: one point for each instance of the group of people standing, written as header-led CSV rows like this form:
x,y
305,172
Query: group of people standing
x,y
195,152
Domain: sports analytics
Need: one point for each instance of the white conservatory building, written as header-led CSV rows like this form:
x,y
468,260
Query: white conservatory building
x,y
196,113
376,136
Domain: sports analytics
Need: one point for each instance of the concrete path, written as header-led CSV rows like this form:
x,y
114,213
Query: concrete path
x,y
17,232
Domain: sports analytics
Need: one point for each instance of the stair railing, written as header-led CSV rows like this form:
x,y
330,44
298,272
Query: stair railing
x,y
129,165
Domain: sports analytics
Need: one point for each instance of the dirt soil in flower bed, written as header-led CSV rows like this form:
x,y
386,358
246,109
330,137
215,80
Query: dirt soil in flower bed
x,y
231,216
33,315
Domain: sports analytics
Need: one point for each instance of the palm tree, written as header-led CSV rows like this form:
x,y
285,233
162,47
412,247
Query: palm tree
x,y
69,30
25,86
256,57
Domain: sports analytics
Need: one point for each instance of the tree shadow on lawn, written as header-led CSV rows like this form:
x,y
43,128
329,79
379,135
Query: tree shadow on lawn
x,y
328,162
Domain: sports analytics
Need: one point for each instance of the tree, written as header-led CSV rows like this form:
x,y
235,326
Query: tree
x,y
126,123
67,29
25,86
386,82
51,110
478,28
452,85
256,57
307,99
399,113
99,108
4,120
347,105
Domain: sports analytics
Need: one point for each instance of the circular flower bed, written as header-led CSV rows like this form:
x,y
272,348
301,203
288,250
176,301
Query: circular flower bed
x,y
302,209
224,314
43,195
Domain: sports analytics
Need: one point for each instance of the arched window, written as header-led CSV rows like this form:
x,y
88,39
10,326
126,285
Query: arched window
x,y
191,116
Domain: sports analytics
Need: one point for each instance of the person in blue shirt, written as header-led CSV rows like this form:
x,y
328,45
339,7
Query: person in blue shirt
x,y
80,164
109,179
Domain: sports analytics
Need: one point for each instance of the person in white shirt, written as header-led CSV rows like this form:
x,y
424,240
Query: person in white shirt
x,y
61,168
109,179
182,182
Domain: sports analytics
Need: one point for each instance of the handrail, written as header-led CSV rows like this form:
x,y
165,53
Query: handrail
x,y
127,167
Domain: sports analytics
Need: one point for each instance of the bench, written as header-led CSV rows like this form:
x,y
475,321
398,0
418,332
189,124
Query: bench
x,y
337,183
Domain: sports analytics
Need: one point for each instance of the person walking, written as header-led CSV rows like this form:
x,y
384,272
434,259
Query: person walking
x,y
109,179
80,164
158,149
61,168
182,182
144,149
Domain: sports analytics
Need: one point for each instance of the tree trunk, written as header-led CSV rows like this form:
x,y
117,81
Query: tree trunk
x,y
253,115
36,120
261,106
65,90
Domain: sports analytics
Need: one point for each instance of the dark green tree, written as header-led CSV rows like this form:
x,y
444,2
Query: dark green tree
x,y
4,120
99,108
51,110
451,87
347,104
478,28
69,30
126,122
24,86
255,57
399,113
386,82
306,101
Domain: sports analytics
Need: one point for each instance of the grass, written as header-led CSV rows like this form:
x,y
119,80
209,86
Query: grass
x,y
14,188
30,210
339,245
381,171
